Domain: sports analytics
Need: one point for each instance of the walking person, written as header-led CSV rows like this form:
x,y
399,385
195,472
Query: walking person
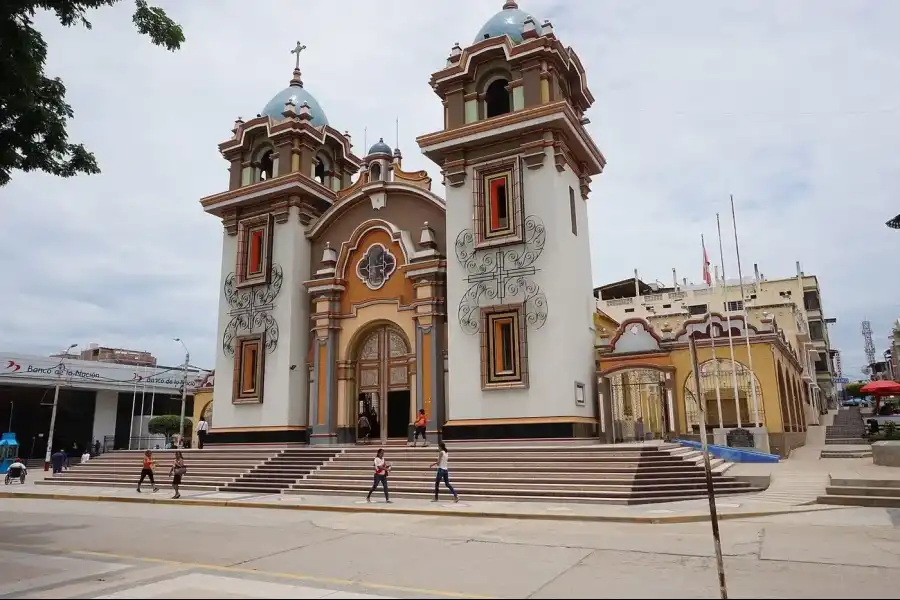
x,y
202,428
147,471
365,428
421,424
443,472
382,468
176,473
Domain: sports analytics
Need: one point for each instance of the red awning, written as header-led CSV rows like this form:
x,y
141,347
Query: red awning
x,y
881,388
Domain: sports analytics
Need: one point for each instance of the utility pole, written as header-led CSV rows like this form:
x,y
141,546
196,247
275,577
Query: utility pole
x,y
187,360
59,372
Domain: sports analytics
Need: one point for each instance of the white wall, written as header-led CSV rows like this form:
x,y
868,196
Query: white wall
x,y
561,352
106,405
285,392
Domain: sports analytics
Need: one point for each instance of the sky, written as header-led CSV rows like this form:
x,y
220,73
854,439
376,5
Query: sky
x,y
789,105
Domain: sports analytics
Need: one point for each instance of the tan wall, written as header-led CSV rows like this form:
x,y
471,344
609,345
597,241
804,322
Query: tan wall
x,y
763,367
397,287
201,399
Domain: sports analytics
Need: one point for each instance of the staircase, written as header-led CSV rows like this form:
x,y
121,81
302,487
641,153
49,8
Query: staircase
x,y
207,469
863,492
619,474
847,428
279,472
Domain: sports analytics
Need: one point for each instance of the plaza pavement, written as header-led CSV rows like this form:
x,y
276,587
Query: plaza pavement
x,y
51,549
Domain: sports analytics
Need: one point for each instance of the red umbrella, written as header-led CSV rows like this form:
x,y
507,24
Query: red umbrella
x,y
881,388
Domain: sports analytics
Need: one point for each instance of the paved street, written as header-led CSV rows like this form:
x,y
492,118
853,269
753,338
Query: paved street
x,y
97,549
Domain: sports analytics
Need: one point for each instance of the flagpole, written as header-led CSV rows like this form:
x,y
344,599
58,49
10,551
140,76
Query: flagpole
x,y
712,337
737,249
737,397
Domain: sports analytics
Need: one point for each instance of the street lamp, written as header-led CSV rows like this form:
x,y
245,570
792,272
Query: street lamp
x,y
187,360
59,372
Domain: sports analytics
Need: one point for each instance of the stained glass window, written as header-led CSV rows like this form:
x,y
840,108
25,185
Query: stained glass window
x,y
376,267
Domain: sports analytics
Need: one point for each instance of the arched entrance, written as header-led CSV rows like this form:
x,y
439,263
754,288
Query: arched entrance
x,y
382,375
638,398
736,412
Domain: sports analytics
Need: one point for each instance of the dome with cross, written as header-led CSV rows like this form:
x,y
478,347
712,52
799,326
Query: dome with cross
x,y
296,93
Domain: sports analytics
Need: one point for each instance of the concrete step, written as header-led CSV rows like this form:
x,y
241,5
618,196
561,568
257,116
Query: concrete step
x,y
868,501
845,454
134,478
522,486
132,484
885,492
876,483
468,496
637,479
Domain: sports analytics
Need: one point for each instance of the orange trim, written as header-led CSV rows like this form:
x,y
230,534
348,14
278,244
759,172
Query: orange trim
x,y
256,246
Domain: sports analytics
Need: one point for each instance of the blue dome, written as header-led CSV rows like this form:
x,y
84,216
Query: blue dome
x,y
380,147
275,107
509,21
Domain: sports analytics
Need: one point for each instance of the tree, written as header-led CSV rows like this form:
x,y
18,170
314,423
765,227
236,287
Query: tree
x,y
168,425
852,390
33,109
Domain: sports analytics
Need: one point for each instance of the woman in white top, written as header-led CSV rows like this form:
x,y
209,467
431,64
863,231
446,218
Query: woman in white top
x,y
382,468
443,472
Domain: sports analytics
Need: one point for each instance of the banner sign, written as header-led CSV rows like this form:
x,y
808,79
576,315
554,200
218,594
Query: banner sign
x,y
47,371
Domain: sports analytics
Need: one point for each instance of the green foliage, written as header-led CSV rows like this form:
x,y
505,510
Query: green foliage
x,y
33,108
169,425
890,430
852,390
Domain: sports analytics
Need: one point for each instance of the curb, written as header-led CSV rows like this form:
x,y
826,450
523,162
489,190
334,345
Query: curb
x,y
476,514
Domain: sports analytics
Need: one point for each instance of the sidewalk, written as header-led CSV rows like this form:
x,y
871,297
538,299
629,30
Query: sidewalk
x,y
686,511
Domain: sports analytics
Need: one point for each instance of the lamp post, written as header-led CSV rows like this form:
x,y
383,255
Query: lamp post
x,y
187,360
59,371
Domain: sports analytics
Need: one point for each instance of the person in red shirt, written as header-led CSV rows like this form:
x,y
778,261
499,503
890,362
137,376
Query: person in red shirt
x,y
147,471
421,424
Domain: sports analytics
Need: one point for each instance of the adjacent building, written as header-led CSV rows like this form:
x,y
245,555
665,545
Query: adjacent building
x,y
795,303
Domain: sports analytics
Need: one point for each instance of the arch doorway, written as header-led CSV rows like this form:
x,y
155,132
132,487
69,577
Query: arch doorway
x,y
639,405
382,373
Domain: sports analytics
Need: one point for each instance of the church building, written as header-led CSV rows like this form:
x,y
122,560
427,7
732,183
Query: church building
x,y
349,287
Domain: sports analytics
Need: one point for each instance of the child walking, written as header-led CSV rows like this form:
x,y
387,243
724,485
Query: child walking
x,y
443,472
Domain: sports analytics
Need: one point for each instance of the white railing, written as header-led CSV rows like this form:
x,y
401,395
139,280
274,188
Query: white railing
x,y
619,301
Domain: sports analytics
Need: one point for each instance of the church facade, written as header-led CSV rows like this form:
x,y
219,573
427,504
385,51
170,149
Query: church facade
x,y
349,288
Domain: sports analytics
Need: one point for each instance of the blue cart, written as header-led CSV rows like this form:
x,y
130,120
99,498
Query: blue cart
x,y
9,451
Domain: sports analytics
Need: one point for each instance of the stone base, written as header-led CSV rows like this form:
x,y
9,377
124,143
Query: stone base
x,y
258,436
886,453
760,437
485,430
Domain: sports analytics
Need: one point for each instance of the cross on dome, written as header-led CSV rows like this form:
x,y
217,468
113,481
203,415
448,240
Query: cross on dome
x,y
298,48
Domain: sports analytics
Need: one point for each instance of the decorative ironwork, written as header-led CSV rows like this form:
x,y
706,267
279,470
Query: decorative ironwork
x,y
251,310
717,373
376,266
500,274
397,345
638,403
370,348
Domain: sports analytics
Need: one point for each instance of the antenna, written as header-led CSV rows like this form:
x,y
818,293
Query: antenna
x,y
397,132
366,138
869,346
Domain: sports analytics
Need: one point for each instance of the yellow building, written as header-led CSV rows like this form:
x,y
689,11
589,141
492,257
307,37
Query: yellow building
x,y
647,388
795,302
203,401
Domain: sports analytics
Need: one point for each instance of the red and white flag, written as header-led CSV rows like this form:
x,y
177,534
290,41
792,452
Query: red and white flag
x,y
706,275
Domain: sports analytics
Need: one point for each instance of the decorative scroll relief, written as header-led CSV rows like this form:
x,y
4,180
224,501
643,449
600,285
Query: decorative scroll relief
x,y
251,310
502,275
376,266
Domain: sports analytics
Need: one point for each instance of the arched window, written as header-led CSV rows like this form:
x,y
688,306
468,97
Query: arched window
x,y
322,168
375,171
266,166
497,98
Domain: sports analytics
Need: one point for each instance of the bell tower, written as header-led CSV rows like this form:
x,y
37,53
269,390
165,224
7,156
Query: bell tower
x,y
517,164
287,166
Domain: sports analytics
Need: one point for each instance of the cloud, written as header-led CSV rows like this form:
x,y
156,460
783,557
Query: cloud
x,y
789,106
